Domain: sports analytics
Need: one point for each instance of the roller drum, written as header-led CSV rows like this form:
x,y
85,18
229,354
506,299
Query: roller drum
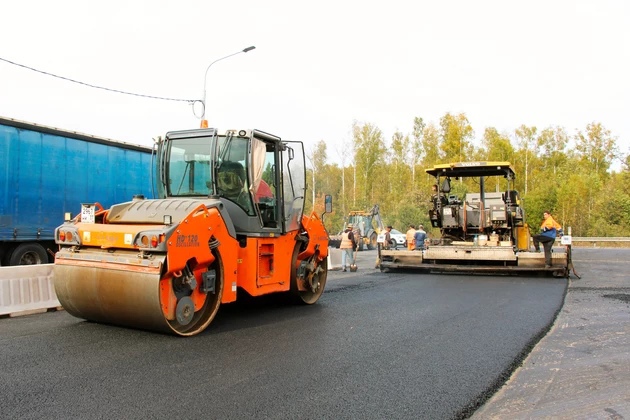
x,y
130,296
111,296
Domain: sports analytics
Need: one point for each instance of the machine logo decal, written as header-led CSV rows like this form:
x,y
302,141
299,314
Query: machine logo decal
x,y
187,241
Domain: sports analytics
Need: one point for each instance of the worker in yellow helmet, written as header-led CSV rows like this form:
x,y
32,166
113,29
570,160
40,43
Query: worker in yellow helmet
x,y
549,229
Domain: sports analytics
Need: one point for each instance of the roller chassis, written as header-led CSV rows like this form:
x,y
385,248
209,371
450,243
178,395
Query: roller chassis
x,y
167,264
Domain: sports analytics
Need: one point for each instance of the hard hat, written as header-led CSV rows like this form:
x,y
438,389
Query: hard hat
x,y
349,226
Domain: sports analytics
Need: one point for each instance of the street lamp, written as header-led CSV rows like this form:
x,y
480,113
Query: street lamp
x,y
204,122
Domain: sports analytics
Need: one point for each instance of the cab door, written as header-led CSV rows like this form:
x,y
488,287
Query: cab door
x,y
293,184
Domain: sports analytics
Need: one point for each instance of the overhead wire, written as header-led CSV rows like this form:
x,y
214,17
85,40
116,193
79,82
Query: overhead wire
x,y
191,101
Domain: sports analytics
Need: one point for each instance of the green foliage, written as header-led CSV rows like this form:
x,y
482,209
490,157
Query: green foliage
x,y
611,217
407,214
456,133
574,183
496,146
369,151
431,145
596,148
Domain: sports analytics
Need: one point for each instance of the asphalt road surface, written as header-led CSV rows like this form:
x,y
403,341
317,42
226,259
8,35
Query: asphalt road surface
x,y
376,346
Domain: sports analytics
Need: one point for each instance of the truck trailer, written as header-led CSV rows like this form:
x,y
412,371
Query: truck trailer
x,y
47,172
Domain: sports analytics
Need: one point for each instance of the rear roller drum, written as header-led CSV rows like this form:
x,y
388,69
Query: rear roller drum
x,y
308,279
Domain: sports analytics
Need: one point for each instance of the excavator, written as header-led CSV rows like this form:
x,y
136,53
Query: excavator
x,y
367,226
229,217
482,232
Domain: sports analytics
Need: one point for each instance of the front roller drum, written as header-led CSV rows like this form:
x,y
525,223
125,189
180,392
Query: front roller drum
x,y
132,298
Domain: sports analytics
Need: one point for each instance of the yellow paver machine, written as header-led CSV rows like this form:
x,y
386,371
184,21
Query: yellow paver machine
x,y
481,232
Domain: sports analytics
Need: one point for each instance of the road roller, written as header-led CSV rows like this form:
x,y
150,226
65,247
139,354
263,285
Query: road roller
x,y
228,218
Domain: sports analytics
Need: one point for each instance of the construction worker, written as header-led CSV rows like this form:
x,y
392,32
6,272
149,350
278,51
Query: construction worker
x,y
347,246
388,238
549,230
231,184
419,238
411,232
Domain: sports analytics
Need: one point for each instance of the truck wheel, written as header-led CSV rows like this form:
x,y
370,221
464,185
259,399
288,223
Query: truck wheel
x,y
28,254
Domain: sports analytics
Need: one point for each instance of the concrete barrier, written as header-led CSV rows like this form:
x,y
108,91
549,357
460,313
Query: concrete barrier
x,y
27,289
334,258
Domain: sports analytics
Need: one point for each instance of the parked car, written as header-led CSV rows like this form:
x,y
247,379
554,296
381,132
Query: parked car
x,y
399,239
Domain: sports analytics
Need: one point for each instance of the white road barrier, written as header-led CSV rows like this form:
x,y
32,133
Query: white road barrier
x,y
27,289
334,258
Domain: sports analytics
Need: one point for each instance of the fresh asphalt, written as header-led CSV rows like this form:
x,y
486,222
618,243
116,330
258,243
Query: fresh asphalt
x,y
581,368
376,346
55,365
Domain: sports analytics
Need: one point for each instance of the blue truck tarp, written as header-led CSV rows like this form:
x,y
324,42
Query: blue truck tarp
x,y
46,172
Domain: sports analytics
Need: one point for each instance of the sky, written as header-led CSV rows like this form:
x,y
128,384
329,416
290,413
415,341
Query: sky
x,y
317,67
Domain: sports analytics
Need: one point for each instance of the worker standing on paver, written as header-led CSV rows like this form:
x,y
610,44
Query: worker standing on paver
x,y
547,236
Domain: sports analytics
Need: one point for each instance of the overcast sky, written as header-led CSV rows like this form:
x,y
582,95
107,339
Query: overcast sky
x,y
317,66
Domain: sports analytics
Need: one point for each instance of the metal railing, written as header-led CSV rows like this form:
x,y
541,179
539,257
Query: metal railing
x,y
600,239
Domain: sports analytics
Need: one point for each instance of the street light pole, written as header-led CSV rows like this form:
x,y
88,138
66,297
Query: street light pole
x,y
204,122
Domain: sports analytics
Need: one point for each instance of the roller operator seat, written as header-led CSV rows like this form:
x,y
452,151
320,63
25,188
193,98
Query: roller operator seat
x,y
231,184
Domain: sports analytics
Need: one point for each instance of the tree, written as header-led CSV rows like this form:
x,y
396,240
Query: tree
x,y
317,158
369,149
497,147
526,140
431,146
343,150
399,174
415,148
319,163
597,148
553,142
456,133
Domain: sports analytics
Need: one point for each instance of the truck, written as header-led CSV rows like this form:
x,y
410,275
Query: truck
x,y
228,218
46,172
482,232
367,225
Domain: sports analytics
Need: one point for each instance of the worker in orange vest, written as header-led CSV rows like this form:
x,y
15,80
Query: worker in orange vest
x,y
409,236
